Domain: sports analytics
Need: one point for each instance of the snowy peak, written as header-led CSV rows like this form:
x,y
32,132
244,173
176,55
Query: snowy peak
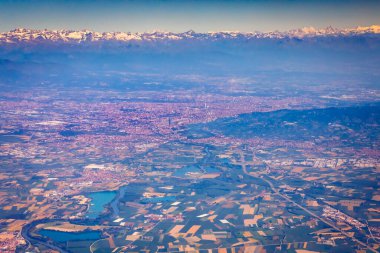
x,y
29,35
330,31
369,29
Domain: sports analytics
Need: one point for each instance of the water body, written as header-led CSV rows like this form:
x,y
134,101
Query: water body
x,y
98,202
59,236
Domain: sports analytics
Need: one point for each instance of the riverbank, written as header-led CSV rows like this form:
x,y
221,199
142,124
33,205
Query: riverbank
x,y
57,226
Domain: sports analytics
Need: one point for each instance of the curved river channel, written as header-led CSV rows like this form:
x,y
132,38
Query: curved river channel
x,y
99,200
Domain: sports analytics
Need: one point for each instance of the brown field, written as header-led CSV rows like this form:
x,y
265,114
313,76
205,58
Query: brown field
x,y
176,229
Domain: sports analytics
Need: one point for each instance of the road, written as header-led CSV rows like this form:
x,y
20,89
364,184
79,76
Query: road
x,y
273,188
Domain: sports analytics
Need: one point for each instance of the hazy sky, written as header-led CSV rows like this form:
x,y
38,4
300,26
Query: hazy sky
x,y
181,15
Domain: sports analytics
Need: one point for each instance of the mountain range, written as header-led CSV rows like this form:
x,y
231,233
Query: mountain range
x,y
71,36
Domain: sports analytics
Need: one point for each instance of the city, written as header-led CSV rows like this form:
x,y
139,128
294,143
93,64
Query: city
x,y
117,137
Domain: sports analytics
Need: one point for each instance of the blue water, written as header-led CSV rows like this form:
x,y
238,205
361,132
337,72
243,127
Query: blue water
x,y
98,201
59,236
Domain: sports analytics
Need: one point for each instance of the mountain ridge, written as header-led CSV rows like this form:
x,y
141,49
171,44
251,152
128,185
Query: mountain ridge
x,y
31,35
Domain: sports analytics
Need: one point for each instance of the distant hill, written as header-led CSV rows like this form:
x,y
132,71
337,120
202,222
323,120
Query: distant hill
x,y
347,123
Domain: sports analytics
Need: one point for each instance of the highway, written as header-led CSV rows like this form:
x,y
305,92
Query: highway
x,y
273,188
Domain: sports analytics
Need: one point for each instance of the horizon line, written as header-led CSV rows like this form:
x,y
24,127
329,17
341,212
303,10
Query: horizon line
x,y
192,30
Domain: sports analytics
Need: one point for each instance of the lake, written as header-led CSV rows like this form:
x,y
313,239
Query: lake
x,y
59,236
98,201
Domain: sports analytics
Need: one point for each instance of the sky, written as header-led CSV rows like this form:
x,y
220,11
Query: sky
x,y
181,15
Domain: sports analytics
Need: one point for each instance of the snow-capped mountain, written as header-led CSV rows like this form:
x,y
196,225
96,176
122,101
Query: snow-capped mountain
x,y
29,35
